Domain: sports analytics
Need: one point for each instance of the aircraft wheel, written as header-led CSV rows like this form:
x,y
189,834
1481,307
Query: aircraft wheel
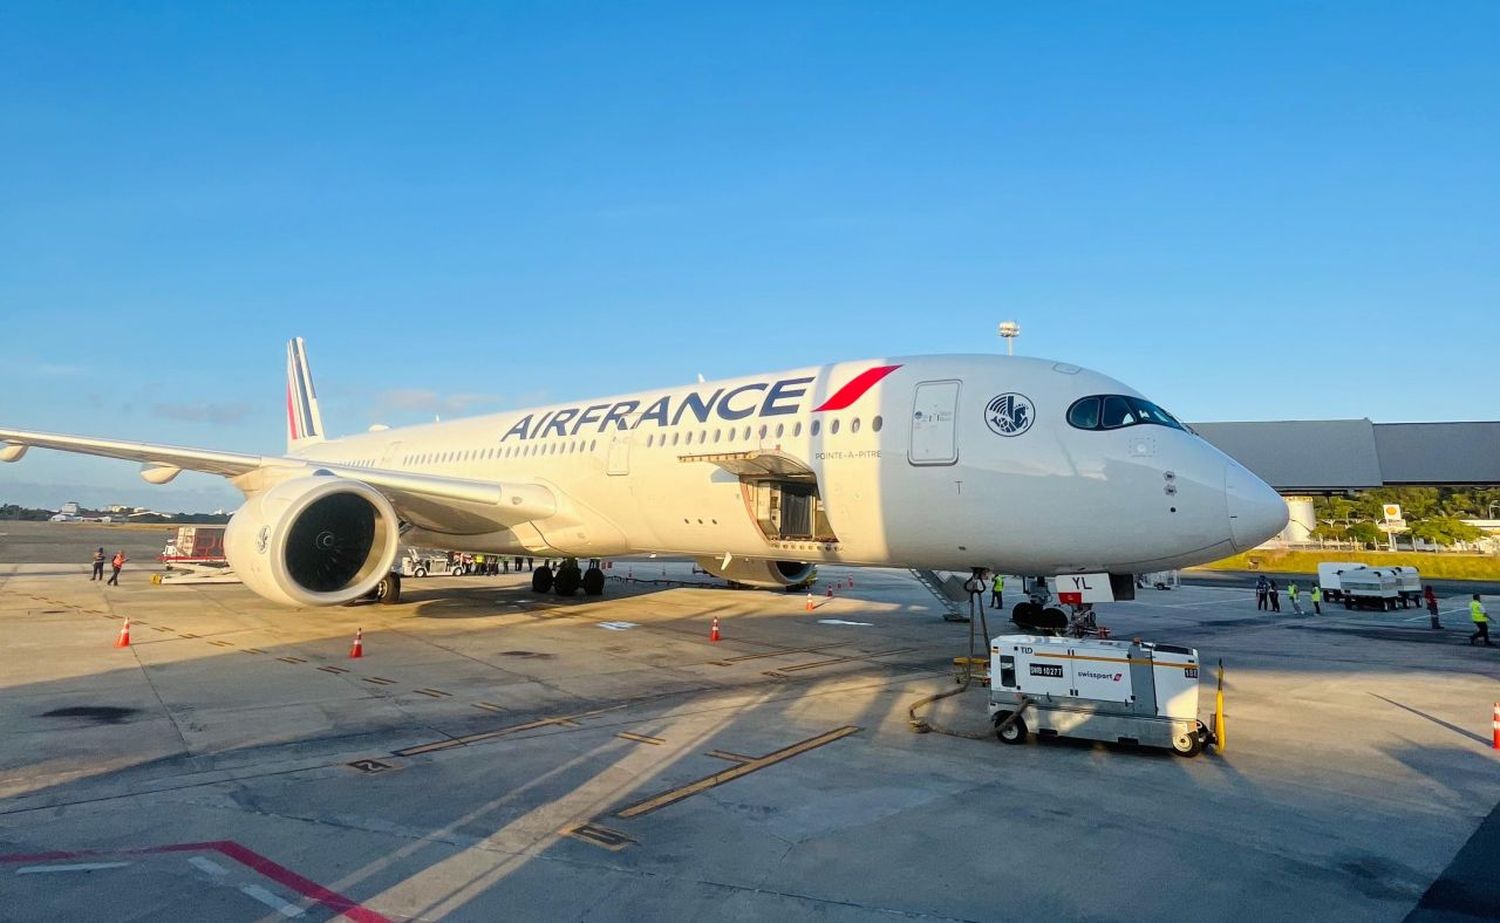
x,y
1013,733
593,582
568,579
541,579
388,590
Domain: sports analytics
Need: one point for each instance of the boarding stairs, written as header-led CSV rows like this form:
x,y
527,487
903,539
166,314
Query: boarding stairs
x,y
947,590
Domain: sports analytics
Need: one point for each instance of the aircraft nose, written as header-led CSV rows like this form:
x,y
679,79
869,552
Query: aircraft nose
x,y
1256,511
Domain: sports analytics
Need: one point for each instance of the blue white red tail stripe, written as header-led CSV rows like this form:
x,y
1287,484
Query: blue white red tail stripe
x,y
303,420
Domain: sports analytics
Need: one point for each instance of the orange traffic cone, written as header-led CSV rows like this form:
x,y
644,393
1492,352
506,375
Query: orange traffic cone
x,y
1496,723
809,602
713,633
124,639
358,650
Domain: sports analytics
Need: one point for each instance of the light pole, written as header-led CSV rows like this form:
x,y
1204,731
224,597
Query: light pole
x,y
1008,331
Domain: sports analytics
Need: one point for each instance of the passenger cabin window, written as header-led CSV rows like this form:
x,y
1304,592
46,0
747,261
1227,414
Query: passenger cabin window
x,y
1115,411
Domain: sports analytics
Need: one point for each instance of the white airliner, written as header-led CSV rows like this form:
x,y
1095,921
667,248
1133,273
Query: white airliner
x,y
1026,466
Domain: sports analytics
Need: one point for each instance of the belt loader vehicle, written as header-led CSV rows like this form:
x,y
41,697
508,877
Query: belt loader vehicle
x,y
1115,691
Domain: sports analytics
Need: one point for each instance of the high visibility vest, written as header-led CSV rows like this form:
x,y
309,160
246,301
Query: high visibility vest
x,y
118,561
1292,590
1317,594
1476,612
999,583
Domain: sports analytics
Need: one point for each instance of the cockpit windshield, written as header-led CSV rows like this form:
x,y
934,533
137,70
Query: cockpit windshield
x,y
1114,411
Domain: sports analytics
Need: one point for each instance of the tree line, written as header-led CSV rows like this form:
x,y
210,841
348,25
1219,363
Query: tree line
x,y
14,512
1433,514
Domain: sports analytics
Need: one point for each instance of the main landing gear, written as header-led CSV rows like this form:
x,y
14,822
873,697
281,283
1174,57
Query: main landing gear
x,y
569,578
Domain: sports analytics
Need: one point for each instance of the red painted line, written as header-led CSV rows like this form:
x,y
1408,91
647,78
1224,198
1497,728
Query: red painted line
x,y
303,886
856,388
252,860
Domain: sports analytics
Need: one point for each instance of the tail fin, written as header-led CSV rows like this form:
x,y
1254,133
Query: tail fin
x,y
304,423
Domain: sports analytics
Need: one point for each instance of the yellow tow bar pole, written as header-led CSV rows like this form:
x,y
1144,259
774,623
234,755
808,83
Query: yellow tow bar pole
x,y
1219,739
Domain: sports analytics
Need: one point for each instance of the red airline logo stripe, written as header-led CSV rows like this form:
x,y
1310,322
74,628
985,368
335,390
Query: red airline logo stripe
x,y
291,417
856,388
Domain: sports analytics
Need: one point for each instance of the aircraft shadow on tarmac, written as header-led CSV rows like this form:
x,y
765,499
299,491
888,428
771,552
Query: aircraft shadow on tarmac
x,y
578,772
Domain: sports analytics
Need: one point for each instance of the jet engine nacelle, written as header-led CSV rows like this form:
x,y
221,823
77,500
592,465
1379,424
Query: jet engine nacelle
x,y
313,541
755,572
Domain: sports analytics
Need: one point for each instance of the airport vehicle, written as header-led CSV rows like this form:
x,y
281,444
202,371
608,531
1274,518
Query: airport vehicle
x,y
886,462
1328,577
1117,691
421,564
1370,588
1409,584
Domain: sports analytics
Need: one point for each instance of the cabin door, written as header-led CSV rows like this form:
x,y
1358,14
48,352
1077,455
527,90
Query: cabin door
x,y
934,424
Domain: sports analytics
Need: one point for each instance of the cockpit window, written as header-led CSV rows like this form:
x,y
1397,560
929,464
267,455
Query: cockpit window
x,y
1114,411
1084,413
1150,413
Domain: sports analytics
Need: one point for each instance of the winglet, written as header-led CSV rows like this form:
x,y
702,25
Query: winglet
x,y
304,422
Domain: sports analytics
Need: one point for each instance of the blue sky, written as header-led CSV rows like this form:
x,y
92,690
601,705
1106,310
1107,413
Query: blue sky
x,y
1251,212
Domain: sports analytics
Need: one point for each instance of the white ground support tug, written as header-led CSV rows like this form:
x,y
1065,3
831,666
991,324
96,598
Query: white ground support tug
x,y
1115,691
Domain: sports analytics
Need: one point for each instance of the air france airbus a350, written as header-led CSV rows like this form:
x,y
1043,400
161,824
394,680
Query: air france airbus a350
x,y
948,462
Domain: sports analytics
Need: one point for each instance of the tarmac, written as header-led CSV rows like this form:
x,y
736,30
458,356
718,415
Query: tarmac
x,y
498,754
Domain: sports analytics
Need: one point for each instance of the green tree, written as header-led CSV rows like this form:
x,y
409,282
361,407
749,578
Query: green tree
x,y
1331,531
1364,533
1416,502
1445,531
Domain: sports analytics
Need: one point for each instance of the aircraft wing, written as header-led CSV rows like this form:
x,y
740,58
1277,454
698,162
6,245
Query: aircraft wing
x,y
434,500
228,464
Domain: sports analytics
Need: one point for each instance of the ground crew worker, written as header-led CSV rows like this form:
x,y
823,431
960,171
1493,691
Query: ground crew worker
x,y
1291,591
1275,593
118,561
1481,623
98,565
997,586
1262,592
1432,609
1317,598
